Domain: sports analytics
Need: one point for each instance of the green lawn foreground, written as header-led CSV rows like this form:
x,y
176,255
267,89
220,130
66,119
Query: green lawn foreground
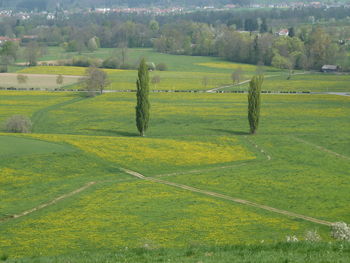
x,y
121,211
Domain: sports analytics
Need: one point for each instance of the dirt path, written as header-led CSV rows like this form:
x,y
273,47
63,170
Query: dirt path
x,y
236,200
247,81
322,148
52,202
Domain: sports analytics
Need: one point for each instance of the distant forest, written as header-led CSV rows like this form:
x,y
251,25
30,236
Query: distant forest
x,y
51,4
41,5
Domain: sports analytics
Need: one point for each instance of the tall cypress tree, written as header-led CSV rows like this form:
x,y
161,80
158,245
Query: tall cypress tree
x,y
254,102
143,105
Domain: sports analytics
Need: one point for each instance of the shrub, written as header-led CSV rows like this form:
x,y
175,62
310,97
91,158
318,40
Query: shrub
x,y
151,66
312,236
127,66
111,62
22,79
3,69
341,231
59,80
162,67
4,257
292,239
19,124
85,62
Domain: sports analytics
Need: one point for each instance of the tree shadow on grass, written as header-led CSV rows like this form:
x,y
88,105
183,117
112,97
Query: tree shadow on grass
x,y
115,132
230,132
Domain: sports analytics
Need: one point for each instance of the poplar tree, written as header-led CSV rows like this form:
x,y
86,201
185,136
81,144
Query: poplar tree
x,y
254,102
143,105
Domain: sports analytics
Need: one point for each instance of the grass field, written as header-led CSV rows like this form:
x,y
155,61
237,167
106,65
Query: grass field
x,y
126,79
174,62
314,82
292,252
184,72
298,162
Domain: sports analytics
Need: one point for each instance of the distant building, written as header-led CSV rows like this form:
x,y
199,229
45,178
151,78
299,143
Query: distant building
x,y
5,39
283,33
329,68
29,38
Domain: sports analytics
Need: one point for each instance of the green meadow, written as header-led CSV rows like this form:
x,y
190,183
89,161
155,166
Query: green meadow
x,y
183,73
174,62
307,82
73,163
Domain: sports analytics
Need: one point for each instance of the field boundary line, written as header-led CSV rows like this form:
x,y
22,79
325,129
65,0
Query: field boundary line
x,y
321,148
229,198
52,202
40,114
247,81
200,170
269,158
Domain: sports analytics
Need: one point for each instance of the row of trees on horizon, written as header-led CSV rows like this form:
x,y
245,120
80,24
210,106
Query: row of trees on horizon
x,y
308,46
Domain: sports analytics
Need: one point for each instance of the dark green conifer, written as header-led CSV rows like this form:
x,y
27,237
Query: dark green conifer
x,y
143,105
254,102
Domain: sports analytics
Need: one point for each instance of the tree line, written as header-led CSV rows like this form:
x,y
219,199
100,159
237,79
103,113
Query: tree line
x,y
241,36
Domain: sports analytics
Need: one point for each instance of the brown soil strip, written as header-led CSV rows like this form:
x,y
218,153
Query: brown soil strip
x,y
236,200
37,75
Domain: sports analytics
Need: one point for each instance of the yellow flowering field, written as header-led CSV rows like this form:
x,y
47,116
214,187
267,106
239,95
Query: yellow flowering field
x,y
142,214
28,102
227,65
155,154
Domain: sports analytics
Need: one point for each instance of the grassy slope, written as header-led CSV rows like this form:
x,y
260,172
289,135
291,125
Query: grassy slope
x,y
184,72
316,82
174,62
27,102
297,252
113,213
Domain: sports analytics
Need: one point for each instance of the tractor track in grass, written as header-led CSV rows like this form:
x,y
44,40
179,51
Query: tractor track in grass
x,y
163,182
229,198
60,198
323,149
52,202
201,170
268,156
39,115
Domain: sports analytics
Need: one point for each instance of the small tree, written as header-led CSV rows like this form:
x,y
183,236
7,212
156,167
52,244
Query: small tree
x,y
254,102
96,79
161,66
59,80
143,105
18,124
155,80
32,52
93,44
22,79
8,54
236,76
205,81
